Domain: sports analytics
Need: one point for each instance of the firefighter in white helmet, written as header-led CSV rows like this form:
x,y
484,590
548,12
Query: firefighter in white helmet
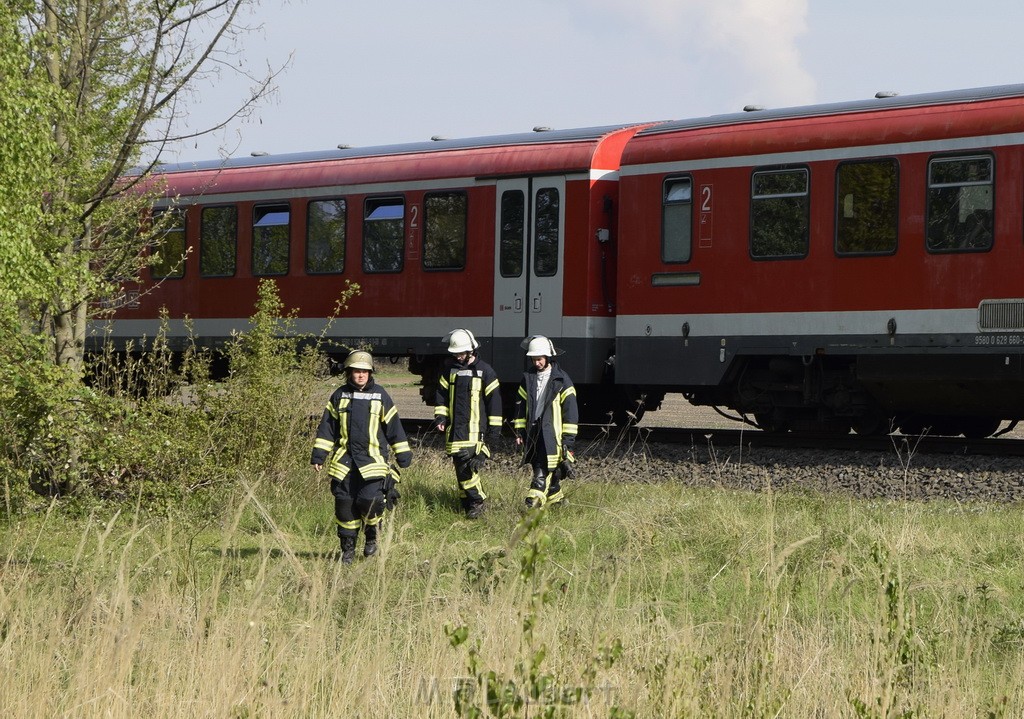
x,y
546,422
467,408
361,427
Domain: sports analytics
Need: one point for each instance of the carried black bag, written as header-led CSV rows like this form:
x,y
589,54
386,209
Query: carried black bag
x,y
391,493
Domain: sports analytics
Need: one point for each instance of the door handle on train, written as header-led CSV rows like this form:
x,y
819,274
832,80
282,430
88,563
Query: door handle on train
x,y
536,303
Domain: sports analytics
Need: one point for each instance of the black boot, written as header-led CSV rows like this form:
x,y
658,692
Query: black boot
x,y
538,485
370,547
348,550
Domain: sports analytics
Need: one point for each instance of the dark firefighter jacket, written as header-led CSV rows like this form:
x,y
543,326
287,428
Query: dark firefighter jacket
x,y
469,402
360,426
555,416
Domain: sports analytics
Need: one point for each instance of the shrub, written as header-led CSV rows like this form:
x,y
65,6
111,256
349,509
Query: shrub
x,y
151,427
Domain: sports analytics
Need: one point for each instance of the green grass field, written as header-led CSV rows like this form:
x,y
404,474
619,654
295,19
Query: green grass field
x,y
641,600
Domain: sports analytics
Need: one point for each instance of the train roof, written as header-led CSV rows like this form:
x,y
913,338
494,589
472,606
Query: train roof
x,y
883,101
537,137
593,134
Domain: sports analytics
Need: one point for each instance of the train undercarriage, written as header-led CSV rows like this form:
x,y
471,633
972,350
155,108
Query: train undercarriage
x,y
937,395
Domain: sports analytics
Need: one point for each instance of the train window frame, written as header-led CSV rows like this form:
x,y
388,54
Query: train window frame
x,y
177,227
269,215
379,202
512,238
542,253
344,235
204,244
668,205
757,173
429,234
843,207
931,197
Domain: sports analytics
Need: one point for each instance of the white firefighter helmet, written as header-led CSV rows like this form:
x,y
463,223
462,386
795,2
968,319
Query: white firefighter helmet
x,y
461,341
359,360
539,346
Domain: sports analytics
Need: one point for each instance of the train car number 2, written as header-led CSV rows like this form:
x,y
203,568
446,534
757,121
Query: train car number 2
x,y
413,246
706,224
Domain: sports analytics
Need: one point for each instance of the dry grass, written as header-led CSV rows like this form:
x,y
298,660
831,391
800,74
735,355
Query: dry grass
x,y
651,601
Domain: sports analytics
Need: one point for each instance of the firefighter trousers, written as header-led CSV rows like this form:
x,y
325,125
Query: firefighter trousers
x,y
358,503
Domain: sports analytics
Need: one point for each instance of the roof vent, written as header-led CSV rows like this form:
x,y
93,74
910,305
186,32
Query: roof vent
x,y
753,108
343,146
259,153
438,138
882,94
541,128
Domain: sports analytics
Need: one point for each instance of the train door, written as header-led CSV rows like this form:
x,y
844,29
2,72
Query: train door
x,y
528,272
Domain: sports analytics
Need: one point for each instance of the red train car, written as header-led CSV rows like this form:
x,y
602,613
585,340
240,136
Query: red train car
x,y
506,236
855,264
832,266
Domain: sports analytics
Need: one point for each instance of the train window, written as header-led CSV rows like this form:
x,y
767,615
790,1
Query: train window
x,y
867,207
676,225
513,224
383,234
271,228
779,213
169,247
444,231
218,238
325,236
545,249
960,191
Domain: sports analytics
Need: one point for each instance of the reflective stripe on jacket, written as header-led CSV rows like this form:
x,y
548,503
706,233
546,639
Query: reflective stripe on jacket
x,y
362,428
468,400
555,416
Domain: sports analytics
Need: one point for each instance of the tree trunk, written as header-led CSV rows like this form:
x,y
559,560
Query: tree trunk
x,y
69,338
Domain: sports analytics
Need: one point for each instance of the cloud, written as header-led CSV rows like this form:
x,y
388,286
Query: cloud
x,y
762,39
750,44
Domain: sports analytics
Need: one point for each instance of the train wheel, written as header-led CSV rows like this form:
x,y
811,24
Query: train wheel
x,y
623,417
981,427
594,403
872,425
914,427
770,423
630,407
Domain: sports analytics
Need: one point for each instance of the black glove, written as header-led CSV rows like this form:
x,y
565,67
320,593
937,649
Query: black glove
x,y
391,494
478,461
568,464
492,436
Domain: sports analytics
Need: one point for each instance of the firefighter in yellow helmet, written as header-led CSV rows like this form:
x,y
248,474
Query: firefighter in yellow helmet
x,y
546,422
467,408
359,429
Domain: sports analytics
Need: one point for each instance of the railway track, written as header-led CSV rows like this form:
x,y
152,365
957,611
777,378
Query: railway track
x,y
754,438
891,467
1003,447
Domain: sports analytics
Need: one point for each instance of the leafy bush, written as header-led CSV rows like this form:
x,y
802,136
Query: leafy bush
x,y
151,427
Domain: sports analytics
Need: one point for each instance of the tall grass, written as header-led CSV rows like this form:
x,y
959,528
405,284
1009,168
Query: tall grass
x,y
197,576
658,600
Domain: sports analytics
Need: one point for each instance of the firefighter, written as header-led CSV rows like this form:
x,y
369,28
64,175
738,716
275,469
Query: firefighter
x,y
467,409
361,427
546,422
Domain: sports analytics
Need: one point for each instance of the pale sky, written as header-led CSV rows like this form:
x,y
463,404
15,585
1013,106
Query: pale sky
x,y
391,71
